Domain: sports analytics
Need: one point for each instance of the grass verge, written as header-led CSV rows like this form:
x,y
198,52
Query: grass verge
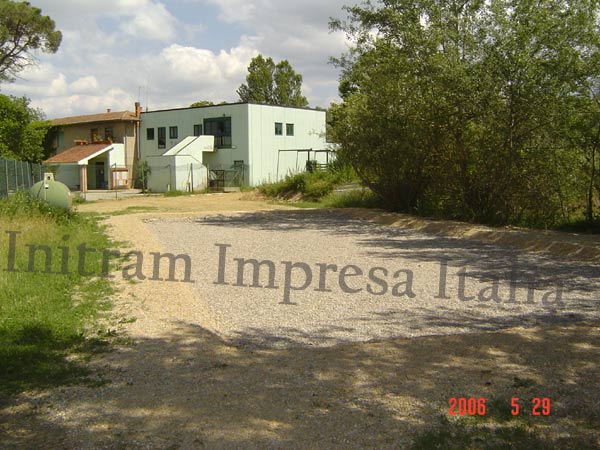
x,y
311,186
46,305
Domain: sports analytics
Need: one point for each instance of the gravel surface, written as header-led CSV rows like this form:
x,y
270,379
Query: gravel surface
x,y
351,308
172,381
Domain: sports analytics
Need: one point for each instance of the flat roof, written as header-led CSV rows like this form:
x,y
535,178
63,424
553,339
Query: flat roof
x,y
231,104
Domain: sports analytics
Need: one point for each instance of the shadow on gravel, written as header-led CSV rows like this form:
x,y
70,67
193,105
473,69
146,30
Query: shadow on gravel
x,y
193,390
483,261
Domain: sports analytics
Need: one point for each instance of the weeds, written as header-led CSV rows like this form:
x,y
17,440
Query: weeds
x,y
312,186
43,315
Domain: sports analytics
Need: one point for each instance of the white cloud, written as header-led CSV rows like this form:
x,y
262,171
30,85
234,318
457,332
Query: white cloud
x,y
296,31
84,85
115,50
152,21
58,86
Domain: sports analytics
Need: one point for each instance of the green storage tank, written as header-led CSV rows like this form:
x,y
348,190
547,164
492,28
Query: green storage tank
x,y
52,192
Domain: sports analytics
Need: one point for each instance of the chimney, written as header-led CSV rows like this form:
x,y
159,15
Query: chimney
x,y
138,110
108,110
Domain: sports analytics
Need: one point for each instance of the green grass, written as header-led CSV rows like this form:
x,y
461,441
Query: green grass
x,y
458,435
360,198
312,186
316,190
44,316
176,193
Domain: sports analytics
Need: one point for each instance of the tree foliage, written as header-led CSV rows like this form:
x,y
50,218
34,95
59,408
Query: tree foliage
x,y
272,84
201,103
22,130
472,109
23,29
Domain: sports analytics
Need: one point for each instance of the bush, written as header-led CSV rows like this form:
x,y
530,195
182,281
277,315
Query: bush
x,y
312,185
23,204
363,198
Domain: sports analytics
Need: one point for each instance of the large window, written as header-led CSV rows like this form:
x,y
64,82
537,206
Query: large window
x,y
220,128
198,129
150,134
162,137
289,129
173,133
278,129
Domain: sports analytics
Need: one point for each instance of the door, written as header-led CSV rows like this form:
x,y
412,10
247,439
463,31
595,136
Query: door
x,y
100,175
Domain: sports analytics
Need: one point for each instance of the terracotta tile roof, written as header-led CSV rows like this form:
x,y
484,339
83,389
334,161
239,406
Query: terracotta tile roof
x,y
76,154
90,118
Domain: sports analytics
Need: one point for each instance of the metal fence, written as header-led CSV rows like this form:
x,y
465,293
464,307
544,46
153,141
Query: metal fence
x,y
17,175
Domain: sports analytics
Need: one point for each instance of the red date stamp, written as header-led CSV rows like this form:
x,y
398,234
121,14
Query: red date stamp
x,y
463,406
476,406
539,406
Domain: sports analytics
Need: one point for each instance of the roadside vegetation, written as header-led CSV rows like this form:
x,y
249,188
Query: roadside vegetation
x,y
485,112
48,321
316,189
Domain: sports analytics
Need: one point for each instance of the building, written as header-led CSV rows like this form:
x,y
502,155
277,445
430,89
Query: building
x,y
253,143
96,151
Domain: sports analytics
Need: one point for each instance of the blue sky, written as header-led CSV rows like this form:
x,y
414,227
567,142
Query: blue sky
x,y
171,53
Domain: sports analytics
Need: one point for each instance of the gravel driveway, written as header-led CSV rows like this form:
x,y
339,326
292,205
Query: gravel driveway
x,y
338,279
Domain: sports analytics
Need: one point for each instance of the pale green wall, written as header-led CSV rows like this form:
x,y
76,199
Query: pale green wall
x,y
253,136
309,132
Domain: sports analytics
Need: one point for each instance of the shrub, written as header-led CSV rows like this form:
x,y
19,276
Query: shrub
x,y
312,185
23,204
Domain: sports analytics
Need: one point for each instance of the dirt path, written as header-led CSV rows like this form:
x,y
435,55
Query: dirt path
x,y
180,386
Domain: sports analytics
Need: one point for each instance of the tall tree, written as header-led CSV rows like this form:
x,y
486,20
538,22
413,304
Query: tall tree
x,y
466,108
22,130
273,84
23,29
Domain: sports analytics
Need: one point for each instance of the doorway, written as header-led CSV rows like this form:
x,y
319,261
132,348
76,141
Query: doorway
x,y
99,169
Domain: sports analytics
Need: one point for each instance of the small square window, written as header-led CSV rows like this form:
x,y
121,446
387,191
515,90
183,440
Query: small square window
x,y
289,129
278,129
198,130
172,132
150,134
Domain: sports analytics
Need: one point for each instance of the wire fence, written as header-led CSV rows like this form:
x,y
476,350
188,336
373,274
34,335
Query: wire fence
x,y
18,175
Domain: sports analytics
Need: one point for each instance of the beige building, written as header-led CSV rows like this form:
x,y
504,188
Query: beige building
x,y
72,134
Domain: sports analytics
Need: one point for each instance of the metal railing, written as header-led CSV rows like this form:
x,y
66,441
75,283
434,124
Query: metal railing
x,y
18,175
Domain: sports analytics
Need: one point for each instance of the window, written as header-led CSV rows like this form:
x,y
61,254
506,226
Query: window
x,y
150,134
162,137
172,132
94,134
108,134
220,128
289,129
278,129
198,130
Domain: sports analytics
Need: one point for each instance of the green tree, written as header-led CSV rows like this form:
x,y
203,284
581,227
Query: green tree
x,y
143,172
272,84
23,29
22,130
466,108
201,103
